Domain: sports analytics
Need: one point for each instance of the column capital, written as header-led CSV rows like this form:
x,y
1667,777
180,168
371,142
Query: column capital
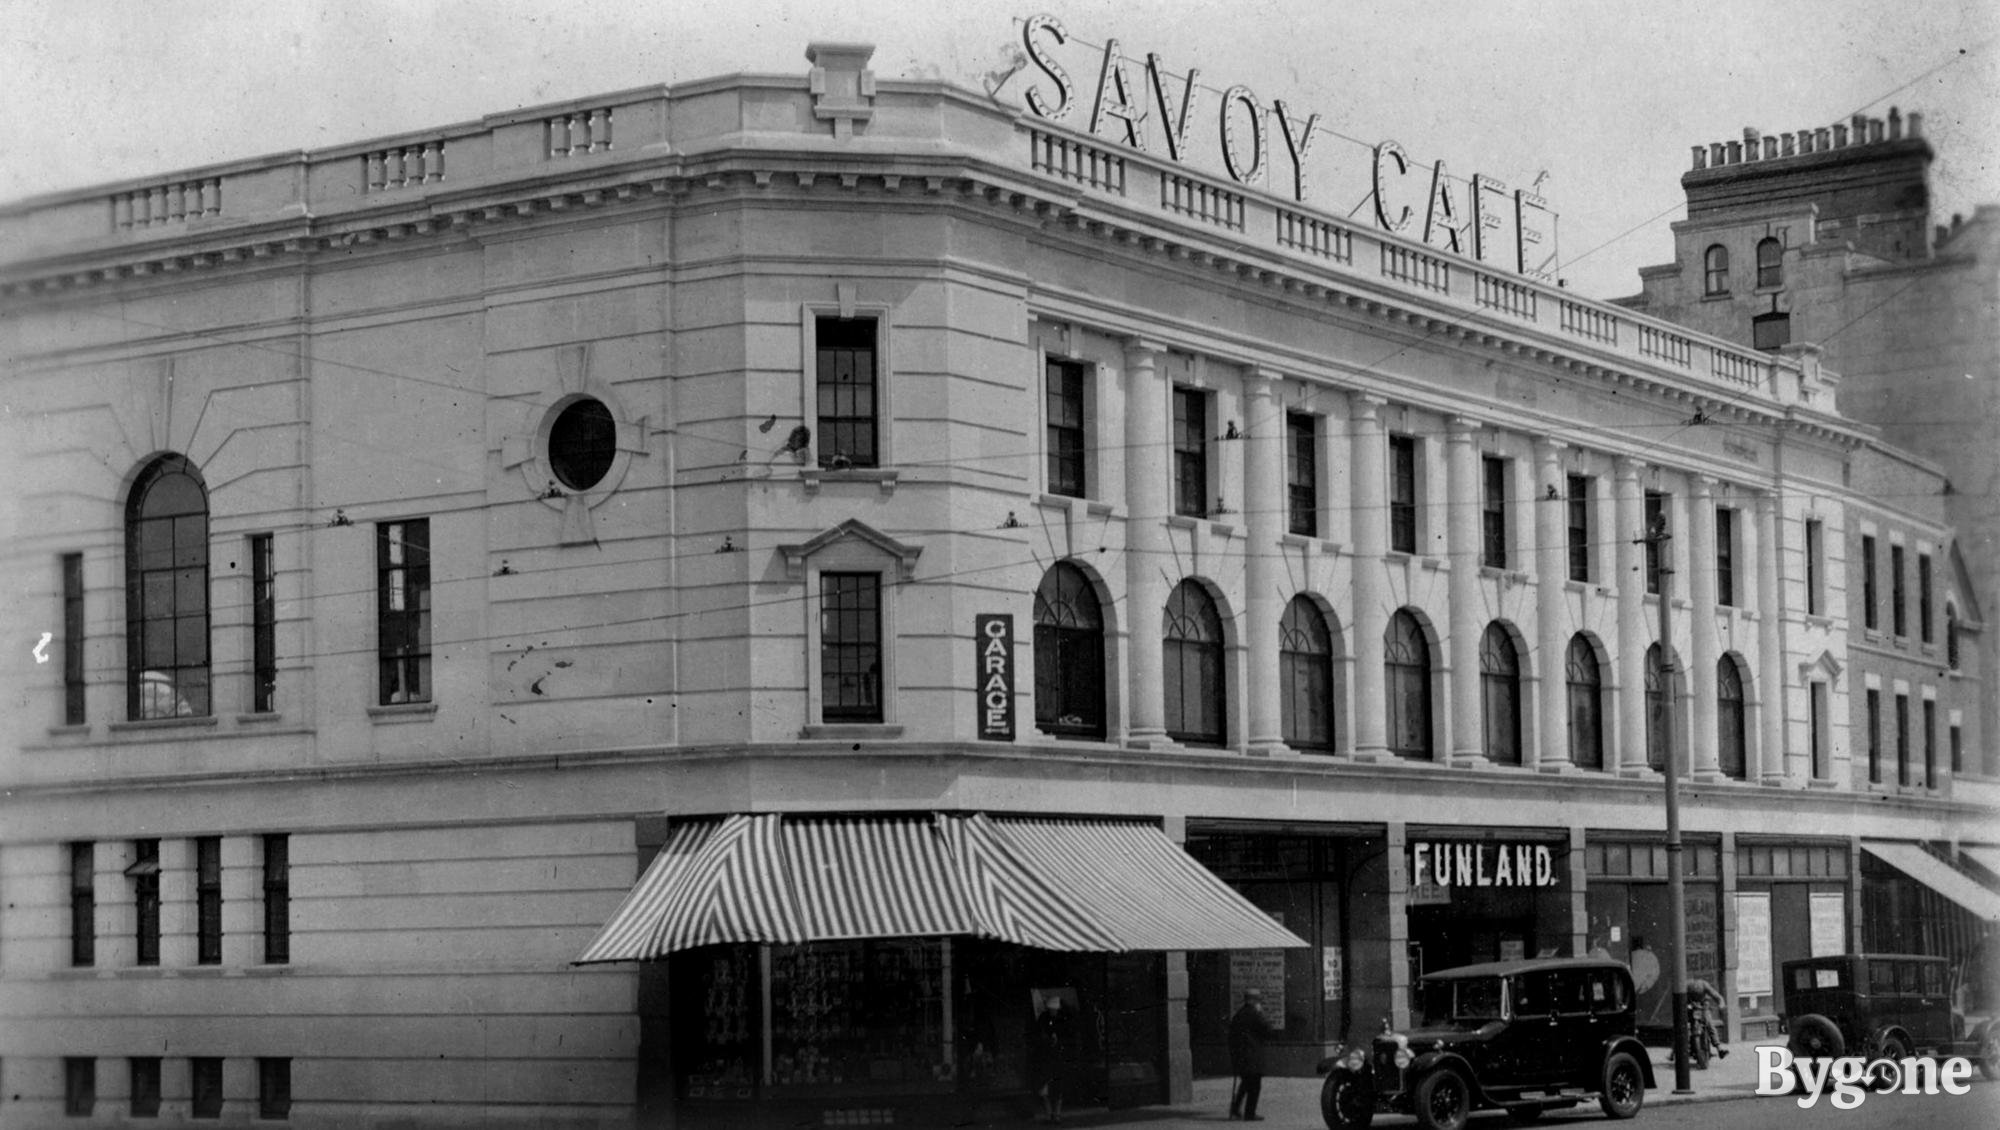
x,y
1366,404
1548,447
1461,429
1627,467
1702,486
1144,345
1766,503
1261,383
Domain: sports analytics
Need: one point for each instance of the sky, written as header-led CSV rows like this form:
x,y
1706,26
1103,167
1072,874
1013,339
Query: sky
x,y
1604,98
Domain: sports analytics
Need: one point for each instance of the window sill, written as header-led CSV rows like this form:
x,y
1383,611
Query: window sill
x,y
883,477
1815,620
1434,564
402,712
81,729
851,731
145,724
267,718
1717,296
1185,521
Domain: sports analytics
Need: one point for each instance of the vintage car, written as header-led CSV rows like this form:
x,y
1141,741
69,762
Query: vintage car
x,y
1892,1005
1522,1036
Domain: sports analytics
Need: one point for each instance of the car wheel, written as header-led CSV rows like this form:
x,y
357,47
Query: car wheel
x,y
1891,1048
1816,1037
1346,1101
1624,1086
1989,1051
1444,1101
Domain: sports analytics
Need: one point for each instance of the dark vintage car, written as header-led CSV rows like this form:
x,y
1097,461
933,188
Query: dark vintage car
x,y
1892,1005
1523,1036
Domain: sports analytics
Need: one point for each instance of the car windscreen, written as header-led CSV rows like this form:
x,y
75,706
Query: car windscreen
x,y
1468,1000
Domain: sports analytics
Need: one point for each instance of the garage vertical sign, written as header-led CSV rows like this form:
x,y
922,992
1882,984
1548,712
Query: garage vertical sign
x,y
994,634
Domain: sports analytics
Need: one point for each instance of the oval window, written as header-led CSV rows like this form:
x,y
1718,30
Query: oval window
x,y
582,443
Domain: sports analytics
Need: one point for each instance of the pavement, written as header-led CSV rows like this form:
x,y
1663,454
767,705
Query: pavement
x,y
1293,1103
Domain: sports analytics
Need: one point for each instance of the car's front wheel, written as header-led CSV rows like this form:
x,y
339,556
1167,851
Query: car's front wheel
x,y
1624,1086
1444,1101
1346,1101
1816,1037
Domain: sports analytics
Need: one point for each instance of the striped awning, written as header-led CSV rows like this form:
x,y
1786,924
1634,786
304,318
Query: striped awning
x,y
1938,875
1984,856
1142,888
1076,885
713,881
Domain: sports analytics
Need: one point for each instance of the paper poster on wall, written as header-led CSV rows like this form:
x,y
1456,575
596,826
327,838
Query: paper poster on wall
x,y
1330,973
1829,923
1513,949
1263,970
1753,944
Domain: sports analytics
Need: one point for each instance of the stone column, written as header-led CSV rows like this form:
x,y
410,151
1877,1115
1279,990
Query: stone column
x,y
1633,636
1462,509
1770,764
1264,518
1551,608
1370,518
1699,680
1146,548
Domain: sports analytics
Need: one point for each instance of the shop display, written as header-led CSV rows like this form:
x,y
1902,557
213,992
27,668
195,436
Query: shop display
x,y
728,1068
861,1016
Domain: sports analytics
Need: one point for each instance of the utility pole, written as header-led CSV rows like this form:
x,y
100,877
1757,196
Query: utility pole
x,y
1660,540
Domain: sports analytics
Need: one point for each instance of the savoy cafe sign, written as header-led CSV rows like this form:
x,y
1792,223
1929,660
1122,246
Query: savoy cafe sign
x,y
1144,106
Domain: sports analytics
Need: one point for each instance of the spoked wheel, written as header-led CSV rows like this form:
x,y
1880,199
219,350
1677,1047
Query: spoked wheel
x,y
1883,1077
1624,1087
1346,1101
1444,1101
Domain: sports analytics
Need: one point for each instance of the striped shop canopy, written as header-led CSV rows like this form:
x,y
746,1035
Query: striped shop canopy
x,y
1074,885
1143,888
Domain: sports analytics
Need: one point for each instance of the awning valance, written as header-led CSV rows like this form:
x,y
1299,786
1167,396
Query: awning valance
x,y
1938,875
1063,884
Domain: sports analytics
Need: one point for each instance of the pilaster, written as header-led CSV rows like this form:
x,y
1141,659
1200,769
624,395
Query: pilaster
x,y
1146,479
1551,753
1371,536
1462,508
1264,506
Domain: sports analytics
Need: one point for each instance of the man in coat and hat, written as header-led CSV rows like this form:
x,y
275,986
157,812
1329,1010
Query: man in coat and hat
x,y
1247,1031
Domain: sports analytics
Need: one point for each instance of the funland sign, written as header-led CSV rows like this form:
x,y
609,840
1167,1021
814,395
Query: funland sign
x,y
1147,108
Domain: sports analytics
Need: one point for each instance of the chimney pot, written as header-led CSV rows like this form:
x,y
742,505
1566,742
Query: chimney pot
x,y
1822,139
1749,136
1770,148
1895,123
1874,130
1715,154
1701,156
1787,148
1840,137
1735,152
1916,124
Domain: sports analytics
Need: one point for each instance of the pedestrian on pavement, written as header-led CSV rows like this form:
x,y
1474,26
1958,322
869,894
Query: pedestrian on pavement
x,y
1247,1032
1051,1046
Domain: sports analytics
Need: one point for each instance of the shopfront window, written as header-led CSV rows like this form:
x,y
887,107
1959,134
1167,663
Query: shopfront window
x,y
860,1015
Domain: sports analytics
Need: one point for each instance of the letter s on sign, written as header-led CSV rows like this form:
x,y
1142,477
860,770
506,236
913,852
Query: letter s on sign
x,y
1047,64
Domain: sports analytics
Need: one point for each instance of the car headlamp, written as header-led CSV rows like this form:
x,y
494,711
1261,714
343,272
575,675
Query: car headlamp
x,y
1354,1060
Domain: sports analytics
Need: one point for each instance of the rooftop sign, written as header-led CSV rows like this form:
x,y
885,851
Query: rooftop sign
x,y
1145,107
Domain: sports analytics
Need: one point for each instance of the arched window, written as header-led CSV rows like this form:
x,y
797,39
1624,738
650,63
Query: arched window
x,y
1715,270
1069,655
1195,692
1729,732
1656,710
166,592
1305,664
1770,263
1407,660
1500,695
1586,704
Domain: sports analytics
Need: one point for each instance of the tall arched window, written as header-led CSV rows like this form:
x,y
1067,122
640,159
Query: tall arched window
x,y
1195,690
1770,262
1656,710
1586,704
166,592
1500,695
1305,666
1407,662
1069,655
1729,733
1715,270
